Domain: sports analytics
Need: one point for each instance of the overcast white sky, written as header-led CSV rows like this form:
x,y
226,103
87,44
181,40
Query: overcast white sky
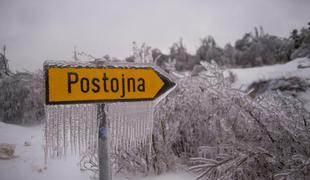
x,y
37,30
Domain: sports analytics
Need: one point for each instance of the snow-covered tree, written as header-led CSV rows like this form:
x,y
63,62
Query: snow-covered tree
x,y
231,134
22,98
301,43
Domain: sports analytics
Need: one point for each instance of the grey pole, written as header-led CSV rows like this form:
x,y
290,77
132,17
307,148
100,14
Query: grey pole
x,y
103,156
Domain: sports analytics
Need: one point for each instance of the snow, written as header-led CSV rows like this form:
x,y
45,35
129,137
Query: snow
x,y
30,159
29,163
247,76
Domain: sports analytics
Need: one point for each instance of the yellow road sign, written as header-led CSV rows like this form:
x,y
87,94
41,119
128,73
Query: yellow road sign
x,y
101,84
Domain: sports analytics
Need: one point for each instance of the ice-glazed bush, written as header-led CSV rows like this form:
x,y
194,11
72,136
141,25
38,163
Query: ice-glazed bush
x,y
222,133
22,98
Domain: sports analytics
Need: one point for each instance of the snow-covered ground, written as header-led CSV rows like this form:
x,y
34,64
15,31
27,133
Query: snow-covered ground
x,y
299,67
246,76
29,161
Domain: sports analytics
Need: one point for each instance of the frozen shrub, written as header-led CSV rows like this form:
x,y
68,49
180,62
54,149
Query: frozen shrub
x,y
222,133
240,136
22,98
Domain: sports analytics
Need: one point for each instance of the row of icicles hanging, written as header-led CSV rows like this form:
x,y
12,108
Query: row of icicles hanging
x,y
74,128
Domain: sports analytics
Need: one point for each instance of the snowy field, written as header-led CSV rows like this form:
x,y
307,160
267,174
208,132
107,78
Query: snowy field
x,y
245,77
29,161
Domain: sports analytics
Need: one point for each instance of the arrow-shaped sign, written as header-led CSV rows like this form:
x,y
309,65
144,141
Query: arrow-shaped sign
x,y
84,84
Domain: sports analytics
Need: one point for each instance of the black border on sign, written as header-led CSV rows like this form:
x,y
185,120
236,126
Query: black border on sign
x,y
168,84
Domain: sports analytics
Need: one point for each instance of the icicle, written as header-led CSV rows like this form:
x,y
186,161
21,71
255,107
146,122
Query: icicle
x,y
86,127
54,128
95,129
130,124
75,127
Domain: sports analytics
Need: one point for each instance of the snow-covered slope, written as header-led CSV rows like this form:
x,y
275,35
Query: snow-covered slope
x,y
299,67
29,163
246,76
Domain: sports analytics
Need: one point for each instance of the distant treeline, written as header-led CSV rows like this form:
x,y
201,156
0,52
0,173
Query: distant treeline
x,y
253,49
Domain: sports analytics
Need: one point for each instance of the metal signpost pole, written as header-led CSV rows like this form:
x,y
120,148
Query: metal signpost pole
x,y
103,156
